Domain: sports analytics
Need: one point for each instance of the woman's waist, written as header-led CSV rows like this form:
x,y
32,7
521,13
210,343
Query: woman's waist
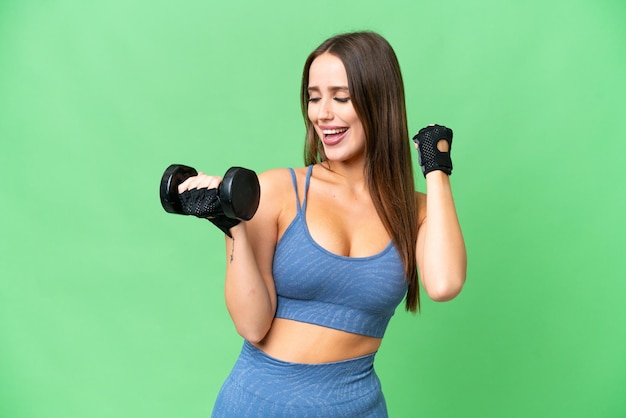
x,y
291,384
301,342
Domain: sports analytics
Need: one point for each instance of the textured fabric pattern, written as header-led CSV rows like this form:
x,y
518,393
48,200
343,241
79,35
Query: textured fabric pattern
x,y
205,203
262,386
354,294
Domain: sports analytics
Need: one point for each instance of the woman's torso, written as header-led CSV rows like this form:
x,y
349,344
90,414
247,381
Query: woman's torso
x,y
354,230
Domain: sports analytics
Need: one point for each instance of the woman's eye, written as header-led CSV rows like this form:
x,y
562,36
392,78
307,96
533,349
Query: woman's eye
x,y
342,99
314,99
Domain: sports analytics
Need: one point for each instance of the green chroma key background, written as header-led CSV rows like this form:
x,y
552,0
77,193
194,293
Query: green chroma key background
x,y
110,307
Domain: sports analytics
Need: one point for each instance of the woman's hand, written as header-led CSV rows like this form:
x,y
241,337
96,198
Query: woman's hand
x,y
201,181
433,144
199,196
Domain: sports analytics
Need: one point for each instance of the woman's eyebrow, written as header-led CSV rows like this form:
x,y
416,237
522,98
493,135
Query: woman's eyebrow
x,y
333,89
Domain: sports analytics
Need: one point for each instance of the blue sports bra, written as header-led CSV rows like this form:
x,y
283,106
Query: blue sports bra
x,y
314,285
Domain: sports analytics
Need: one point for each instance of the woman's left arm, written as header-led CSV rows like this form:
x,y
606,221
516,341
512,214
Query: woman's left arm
x,y
440,252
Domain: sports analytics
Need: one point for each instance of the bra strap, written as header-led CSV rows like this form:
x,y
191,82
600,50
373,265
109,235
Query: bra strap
x,y
295,187
306,186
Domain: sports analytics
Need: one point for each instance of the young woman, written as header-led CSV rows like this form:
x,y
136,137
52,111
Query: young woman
x,y
314,278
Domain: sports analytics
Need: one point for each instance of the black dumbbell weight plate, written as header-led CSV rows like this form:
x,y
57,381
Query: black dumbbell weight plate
x,y
172,177
240,193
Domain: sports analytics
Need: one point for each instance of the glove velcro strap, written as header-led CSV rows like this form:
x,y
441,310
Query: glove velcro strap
x,y
224,223
441,161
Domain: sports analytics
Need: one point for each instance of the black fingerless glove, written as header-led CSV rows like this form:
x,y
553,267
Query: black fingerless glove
x,y
430,158
205,203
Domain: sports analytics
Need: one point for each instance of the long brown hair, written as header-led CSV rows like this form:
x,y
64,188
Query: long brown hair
x,y
377,93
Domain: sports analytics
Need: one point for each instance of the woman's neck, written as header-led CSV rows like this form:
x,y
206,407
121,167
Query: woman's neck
x,y
352,175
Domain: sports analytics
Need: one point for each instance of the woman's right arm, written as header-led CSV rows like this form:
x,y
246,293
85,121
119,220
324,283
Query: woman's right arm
x,y
249,288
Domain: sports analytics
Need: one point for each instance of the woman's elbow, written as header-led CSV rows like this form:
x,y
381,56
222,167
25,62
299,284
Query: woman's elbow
x,y
254,329
252,334
445,290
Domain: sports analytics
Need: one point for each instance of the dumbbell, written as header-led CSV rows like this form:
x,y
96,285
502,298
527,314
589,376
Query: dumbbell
x,y
238,193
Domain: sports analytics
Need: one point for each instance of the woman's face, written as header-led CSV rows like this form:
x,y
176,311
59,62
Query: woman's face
x,y
331,112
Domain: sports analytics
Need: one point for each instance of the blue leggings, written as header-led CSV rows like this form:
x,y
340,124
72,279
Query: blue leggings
x,y
262,386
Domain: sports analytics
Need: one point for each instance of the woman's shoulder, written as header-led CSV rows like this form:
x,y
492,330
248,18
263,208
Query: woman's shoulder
x,y
277,176
281,177
278,192
278,182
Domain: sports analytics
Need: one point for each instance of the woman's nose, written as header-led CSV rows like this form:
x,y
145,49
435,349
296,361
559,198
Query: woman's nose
x,y
325,112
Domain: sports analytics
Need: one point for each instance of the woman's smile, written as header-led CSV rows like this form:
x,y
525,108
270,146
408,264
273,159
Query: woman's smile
x,y
333,136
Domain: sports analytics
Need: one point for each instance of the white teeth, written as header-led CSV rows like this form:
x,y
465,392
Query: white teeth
x,y
334,131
